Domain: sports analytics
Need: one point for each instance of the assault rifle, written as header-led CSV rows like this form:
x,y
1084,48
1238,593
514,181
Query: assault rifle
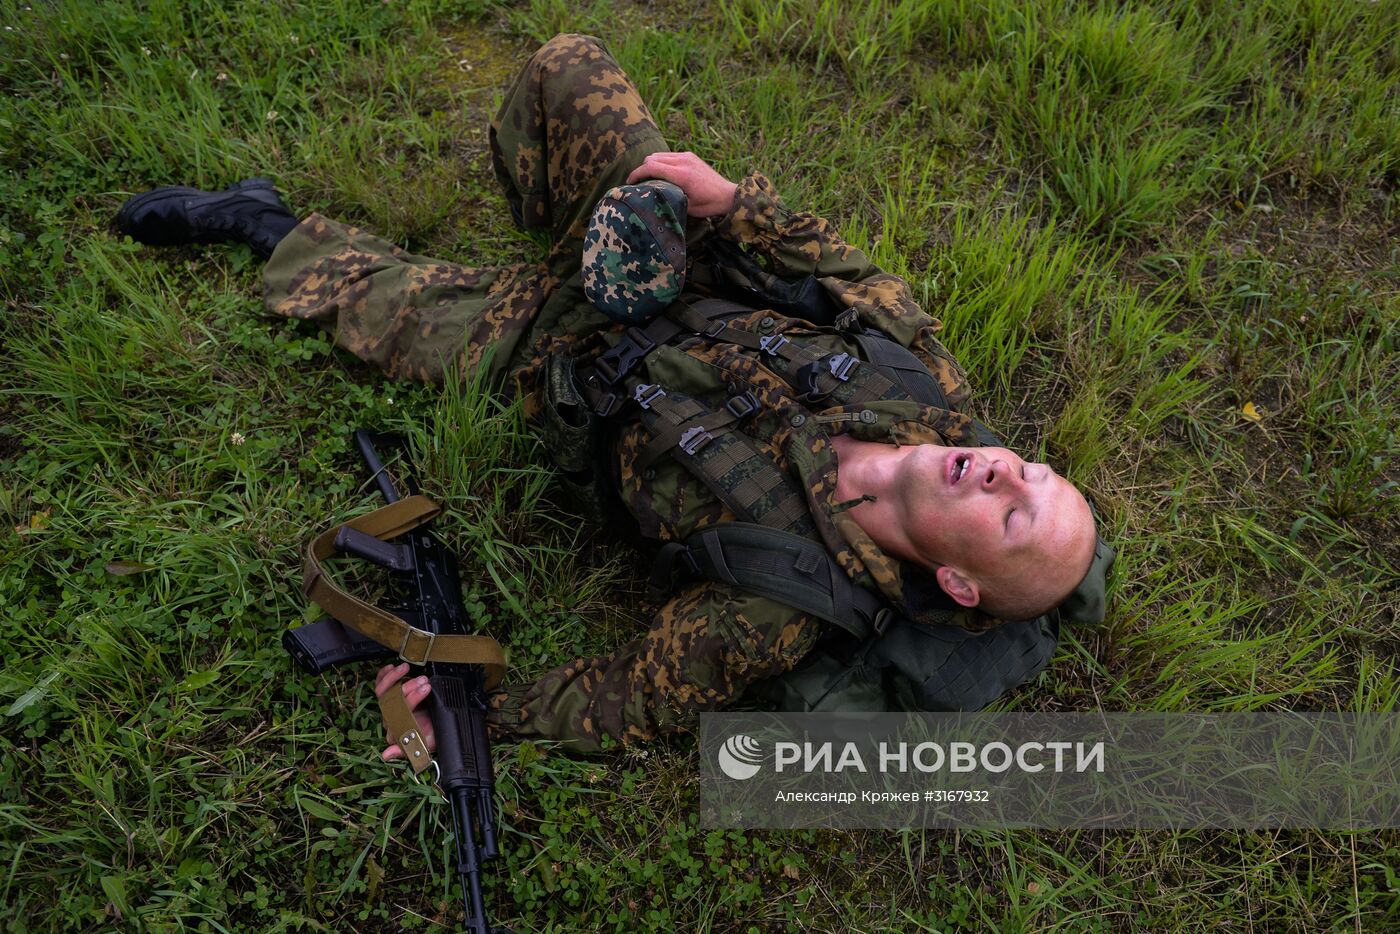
x,y
422,621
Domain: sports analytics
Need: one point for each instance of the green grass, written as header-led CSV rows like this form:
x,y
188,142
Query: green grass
x,y
1135,220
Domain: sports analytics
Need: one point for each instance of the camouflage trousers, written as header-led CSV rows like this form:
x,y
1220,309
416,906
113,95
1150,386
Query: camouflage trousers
x,y
572,126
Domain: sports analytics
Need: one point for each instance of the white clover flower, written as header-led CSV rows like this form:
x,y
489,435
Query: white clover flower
x,y
272,115
237,438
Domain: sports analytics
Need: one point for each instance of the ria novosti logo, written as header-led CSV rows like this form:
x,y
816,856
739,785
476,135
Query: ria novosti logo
x,y
740,757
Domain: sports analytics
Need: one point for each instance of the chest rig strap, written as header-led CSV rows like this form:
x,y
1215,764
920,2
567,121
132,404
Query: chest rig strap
x,y
610,369
699,438
813,375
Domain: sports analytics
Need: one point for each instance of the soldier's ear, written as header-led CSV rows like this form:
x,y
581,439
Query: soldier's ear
x,y
959,586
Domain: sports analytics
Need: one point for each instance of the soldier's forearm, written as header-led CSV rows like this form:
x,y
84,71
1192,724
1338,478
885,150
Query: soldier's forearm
x,y
798,243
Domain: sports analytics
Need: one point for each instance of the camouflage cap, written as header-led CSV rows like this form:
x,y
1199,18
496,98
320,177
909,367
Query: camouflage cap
x,y
634,251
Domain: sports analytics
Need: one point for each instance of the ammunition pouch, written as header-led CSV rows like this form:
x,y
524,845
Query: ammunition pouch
x,y
573,435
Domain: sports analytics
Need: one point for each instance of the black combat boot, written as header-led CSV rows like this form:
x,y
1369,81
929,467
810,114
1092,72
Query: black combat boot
x,y
248,212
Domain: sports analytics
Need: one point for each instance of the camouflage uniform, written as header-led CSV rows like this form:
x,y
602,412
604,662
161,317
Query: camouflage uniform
x,y
572,127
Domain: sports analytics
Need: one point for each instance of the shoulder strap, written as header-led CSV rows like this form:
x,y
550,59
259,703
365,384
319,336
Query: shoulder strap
x,y
605,374
772,563
414,645
899,364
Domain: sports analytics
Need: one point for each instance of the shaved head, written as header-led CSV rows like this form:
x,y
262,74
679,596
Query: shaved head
x,y
1008,536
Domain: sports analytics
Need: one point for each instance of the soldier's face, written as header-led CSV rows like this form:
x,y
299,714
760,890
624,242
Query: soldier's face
x,y
996,518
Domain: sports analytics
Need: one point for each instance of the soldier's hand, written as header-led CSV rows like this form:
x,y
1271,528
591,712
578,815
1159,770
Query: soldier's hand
x,y
708,192
415,691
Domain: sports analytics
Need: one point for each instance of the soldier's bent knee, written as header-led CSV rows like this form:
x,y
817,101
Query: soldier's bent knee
x,y
568,44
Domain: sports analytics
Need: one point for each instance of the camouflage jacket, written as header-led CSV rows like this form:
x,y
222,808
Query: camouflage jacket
x,y
710,642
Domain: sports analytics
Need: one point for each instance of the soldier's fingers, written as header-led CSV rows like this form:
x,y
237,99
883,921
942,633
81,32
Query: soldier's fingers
x,y
656,165
687,162
391,753
672,157
425,726
387,676
642,172
416,691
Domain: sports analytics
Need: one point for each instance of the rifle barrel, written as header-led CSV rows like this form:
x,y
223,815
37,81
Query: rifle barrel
x,y
485,801
365,442
468,862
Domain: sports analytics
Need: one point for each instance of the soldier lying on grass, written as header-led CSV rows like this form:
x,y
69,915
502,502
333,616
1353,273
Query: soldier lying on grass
x,y
819,405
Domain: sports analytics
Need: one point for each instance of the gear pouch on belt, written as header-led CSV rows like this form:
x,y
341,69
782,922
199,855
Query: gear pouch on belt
x,y
572,434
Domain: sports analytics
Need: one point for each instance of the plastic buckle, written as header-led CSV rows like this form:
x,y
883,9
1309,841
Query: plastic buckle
x,y
427,650
617,361
607,405
772,343
603,366
647,393
743,405
849,320
695,439
881,622
841,365
714,329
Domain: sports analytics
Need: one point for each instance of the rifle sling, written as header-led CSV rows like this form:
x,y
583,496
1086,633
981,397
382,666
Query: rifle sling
x,y
415,646
403,727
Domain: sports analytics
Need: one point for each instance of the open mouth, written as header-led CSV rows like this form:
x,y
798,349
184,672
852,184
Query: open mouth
x,y
959,467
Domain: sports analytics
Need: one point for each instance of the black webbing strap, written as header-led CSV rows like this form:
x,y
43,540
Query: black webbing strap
x,y
703,320
899,363
788,568
613,364
814,375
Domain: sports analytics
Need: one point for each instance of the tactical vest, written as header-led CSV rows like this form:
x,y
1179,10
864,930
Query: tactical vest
x,y
873,657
